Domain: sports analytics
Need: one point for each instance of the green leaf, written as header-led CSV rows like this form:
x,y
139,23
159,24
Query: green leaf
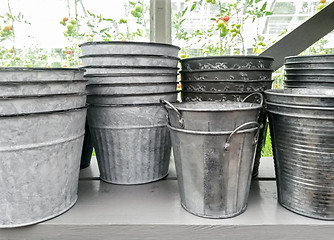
x,y
264,6
193,6
184,11
213,19
107,34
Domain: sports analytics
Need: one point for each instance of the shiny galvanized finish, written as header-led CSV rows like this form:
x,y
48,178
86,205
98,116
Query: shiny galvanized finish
x,y
130,78
310,77
39,165
312,71
28,88
302,96
310,58
211,116
102,70
226,62
18,74
128,47
134,147
130,88
129,60
227,74
132,98
214,170
41,103
226,86
190,96
303,152
310,65
300,84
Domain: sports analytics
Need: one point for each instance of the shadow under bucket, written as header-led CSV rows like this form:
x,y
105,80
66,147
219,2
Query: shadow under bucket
x,y
214,169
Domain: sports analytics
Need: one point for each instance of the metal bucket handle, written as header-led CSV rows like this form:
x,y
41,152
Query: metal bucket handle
x,y
164,103
252,94
228,144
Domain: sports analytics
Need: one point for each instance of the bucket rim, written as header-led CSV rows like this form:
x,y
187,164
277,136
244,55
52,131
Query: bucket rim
x,y
228,57
308,62
43,82
302,107
310,75
307,56
42,96
281,93
131,84
228,70
42,113
134,94
247,130
227,81
128,43
250,106
220,93
35,69
129,66
311,69
129,75
124,105
128,56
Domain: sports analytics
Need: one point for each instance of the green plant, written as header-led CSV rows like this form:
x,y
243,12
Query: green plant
x,y
267,150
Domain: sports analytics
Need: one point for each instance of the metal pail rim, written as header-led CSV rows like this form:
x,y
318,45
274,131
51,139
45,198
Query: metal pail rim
x,y
128,56
309,62
26,69
131,84
104,75
228,70
327,93
309,75
43,96
229,56
307,56
43,82
301,107
128,43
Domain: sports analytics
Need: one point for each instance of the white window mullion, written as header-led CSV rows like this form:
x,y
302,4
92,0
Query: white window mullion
x,y
160,22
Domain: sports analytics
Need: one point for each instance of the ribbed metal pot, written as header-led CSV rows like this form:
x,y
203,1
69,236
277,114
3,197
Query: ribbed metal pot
x,y
310,77
226,86
310,58
130,88
129,60
303,149
41,103
128,47
310,65
21,74
102,70
214,169
226,74
300,84
226,62
134,147
211,116
39,165
27,88
132,98
130,78
302,97
311,71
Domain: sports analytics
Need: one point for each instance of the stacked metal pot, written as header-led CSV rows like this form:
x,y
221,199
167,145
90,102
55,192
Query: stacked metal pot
x,y
309,71
126,80
214,148
42,118
227,78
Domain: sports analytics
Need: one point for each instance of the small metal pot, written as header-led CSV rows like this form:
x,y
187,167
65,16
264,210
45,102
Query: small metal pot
x,y
129,60
226,86
130,78
128,47
226,62
227,74
130,88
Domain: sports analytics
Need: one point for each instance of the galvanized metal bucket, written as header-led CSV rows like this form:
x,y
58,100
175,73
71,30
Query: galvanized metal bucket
x,y
129,60
214,169
130,78
134,147
97,70
29,88
21,74
39,165
302,97
41,103
146,98
226,74
130,88
211,116
310,58
227,86
303,153
128,47
226,62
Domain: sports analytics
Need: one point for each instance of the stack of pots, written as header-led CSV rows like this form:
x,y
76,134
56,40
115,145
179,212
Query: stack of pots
x,y
42,118
312,71
214,148
129,131
225,78
302,129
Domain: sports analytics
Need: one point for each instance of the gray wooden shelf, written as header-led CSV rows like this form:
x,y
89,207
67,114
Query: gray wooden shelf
x,y
153,211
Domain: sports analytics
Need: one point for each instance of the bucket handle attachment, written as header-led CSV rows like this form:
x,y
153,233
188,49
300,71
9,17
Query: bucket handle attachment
x,y
228,144
165,102
252,94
